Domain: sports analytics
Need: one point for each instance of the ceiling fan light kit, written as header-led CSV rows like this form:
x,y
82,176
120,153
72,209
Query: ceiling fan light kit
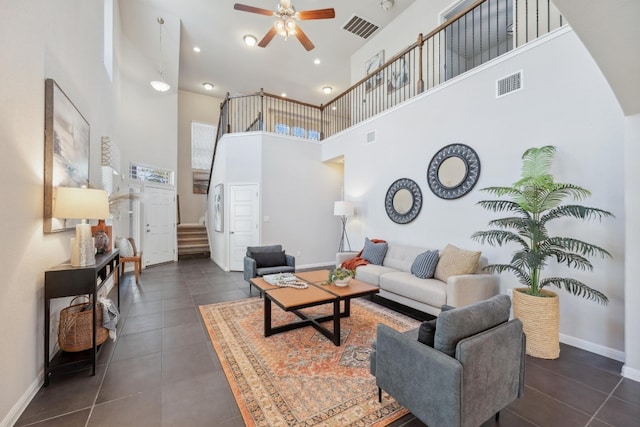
x,y
386,4
250,40
285,24
160,85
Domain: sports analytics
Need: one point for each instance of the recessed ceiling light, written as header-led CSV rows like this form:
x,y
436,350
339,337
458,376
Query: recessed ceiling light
x,y
334,108
327,89
250,40
196,49
316,61
284,95
208,86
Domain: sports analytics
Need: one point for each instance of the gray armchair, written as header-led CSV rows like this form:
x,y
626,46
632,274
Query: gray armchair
x,y
474,369
261,260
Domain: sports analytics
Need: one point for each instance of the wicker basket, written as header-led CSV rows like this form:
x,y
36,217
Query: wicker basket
x,y
75,332
540,318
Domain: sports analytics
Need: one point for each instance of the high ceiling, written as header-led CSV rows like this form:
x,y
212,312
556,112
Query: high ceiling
x,y
225,61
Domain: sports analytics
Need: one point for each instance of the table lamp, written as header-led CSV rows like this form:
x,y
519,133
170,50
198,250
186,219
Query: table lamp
x,y
84,204
343,209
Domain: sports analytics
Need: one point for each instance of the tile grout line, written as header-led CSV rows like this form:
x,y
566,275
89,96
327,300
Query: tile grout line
x,y
593,417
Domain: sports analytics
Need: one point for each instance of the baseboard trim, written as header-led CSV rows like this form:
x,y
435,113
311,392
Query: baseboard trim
x,y
316,265
593,348
22,403
632,374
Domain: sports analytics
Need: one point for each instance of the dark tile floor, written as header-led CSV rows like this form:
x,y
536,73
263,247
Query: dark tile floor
x,y
163,371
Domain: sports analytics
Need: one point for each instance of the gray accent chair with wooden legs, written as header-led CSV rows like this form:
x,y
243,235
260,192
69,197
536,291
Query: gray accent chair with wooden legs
x,y
474,368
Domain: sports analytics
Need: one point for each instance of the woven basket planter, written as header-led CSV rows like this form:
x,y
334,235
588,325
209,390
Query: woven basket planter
x,y
540,318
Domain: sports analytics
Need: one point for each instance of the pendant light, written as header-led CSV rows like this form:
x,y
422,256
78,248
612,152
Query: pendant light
x,y
160,85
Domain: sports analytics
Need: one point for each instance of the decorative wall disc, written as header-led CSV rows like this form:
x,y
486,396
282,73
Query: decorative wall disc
x,y
403,201
453,171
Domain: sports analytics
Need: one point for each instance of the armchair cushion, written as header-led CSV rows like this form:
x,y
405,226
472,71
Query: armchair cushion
x,y
427,332
269,259
459,323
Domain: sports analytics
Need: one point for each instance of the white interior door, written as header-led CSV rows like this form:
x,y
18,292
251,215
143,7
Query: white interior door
x,y
244,224
159,225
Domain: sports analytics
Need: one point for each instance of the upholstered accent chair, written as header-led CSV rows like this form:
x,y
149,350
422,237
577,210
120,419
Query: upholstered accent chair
x,y
474,368
262,260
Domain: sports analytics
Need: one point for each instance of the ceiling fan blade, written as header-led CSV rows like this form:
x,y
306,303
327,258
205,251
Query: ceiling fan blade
x,y
268,37
251,9
302,37
317,14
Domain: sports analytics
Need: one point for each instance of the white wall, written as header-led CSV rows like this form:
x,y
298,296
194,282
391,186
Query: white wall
x,y
565,102
631,367
192,107
298,192
40,41
296,196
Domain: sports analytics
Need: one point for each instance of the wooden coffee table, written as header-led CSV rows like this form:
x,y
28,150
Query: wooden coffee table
x,y
294,300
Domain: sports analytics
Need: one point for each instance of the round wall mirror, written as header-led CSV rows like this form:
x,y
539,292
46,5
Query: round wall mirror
x,y
453,171
403,201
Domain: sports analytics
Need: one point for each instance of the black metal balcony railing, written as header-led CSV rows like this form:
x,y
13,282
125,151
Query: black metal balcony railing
x,y
476,35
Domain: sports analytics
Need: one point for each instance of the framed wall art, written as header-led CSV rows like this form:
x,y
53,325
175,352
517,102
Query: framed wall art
x,y
218,204
200,182
398,75
371,65
66,152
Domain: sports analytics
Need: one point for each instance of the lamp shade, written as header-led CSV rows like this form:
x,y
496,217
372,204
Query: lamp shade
x,y
343,208
81,203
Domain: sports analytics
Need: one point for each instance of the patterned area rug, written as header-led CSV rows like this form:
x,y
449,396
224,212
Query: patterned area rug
x,y
299,378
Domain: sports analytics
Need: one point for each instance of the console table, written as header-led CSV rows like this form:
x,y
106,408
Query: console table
x,y
63,280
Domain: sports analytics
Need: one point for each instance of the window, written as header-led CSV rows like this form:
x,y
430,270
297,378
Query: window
x,y
203,139
108,38
140,172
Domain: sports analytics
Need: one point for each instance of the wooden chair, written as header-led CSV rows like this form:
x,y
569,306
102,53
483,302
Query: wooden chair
x,y
136,259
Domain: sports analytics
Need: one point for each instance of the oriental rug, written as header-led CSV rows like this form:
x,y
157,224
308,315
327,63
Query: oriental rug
x,y
299,377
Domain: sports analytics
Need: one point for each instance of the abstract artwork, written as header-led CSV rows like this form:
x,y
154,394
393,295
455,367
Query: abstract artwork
x,y
66,152
371,65
218,206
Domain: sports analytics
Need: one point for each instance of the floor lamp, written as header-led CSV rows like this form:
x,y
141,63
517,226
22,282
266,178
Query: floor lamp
x,y
84,204
343,210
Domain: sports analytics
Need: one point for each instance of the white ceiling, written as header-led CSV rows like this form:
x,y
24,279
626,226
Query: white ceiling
x,y
225,61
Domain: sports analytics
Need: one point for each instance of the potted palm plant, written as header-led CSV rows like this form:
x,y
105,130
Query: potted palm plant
x,y
534,202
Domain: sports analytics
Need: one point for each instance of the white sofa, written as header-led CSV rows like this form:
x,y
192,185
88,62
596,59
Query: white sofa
x,y
396,282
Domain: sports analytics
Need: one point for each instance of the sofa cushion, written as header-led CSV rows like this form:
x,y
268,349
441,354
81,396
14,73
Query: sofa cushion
x,y
427,291
459,323
126,250
427,332
371,273
269,259
401,257
374,252
454,261
425,264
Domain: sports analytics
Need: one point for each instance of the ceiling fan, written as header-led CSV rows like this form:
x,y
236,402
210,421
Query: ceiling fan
x,y
286,17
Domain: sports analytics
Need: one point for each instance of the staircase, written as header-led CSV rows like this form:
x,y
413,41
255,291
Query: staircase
x,y
193,241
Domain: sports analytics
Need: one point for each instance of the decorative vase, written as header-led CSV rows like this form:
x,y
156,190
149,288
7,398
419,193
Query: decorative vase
x,y
102,235
342,282
540,318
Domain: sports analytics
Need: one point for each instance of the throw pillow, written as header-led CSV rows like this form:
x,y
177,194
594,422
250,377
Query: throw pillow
x,y
126,250
454,261
269,259
427,332
374,252
424,266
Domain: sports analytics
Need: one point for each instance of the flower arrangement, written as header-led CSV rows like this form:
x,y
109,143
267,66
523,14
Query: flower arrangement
x,y
340,274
